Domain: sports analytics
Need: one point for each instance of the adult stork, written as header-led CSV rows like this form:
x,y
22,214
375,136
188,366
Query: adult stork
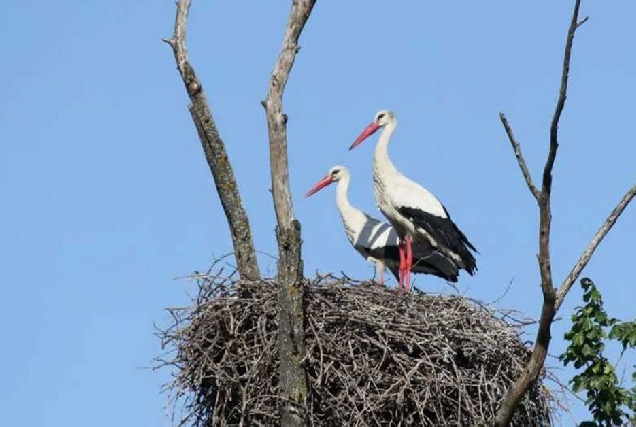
x,y
377,241
415,213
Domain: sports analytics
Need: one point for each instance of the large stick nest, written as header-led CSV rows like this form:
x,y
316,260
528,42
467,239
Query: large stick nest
x,y
375,356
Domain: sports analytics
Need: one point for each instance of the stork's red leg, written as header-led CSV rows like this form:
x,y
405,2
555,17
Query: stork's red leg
x,y
409,263
402,263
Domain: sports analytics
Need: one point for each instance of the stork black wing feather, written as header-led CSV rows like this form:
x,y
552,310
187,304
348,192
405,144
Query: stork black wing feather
x,y
426,260
445,232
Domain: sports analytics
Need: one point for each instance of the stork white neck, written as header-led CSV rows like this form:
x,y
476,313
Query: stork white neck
x,y
342,196
381,157
353,219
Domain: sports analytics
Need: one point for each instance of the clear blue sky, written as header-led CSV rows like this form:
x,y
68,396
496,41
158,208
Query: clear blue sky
x,y
107,196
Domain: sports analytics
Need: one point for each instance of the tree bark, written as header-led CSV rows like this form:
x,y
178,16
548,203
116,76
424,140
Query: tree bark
x,y
293,380
548,310
214,150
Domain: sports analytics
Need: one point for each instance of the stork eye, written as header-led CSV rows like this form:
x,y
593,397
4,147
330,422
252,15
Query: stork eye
x,y
335,172
380,116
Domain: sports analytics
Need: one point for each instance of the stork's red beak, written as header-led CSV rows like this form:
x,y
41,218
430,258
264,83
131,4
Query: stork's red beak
x,y
370,130
320,185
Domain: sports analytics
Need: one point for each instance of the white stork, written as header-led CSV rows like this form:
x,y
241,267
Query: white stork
x,y
377,241
413,211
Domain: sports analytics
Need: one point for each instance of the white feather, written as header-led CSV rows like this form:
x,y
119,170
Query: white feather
x,y
363,231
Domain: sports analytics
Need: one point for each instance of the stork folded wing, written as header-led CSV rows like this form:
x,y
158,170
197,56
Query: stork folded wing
x,y
444,231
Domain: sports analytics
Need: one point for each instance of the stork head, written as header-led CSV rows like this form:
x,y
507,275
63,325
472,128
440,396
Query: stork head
x,y
335,174
381,119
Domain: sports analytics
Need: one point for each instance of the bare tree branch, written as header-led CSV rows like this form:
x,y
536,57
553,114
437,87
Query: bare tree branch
x,y
214,149
548,310
552,299
589,251
546,190
293,381
276,120
522,162
554,126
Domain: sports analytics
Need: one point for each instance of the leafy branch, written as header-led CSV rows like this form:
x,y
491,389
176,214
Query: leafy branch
x,y
606,398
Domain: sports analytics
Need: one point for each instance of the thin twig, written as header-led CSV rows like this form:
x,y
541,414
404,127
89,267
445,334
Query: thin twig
x,y
522,162
554,125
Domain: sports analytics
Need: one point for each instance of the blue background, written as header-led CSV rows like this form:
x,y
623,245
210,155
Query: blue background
x,y
107,197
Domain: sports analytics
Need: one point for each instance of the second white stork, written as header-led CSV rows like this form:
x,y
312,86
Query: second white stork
x,y
415,213
377,241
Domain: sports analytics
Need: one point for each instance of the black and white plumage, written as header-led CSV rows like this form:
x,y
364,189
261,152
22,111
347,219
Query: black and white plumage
x,y
378,241
414,212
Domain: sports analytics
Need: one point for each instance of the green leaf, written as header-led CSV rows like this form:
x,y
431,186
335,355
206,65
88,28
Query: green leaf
x,y
577,339
591,327
595,295
615,332
593,334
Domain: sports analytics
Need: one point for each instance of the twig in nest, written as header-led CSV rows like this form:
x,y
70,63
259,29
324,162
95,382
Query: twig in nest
x,y
372,358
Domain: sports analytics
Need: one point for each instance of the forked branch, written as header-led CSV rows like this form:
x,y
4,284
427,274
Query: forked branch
x,y
552,299
214,150
292,351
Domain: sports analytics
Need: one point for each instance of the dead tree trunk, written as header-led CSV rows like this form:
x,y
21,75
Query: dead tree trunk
x,y
293,380
293,383
214,150
552,298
